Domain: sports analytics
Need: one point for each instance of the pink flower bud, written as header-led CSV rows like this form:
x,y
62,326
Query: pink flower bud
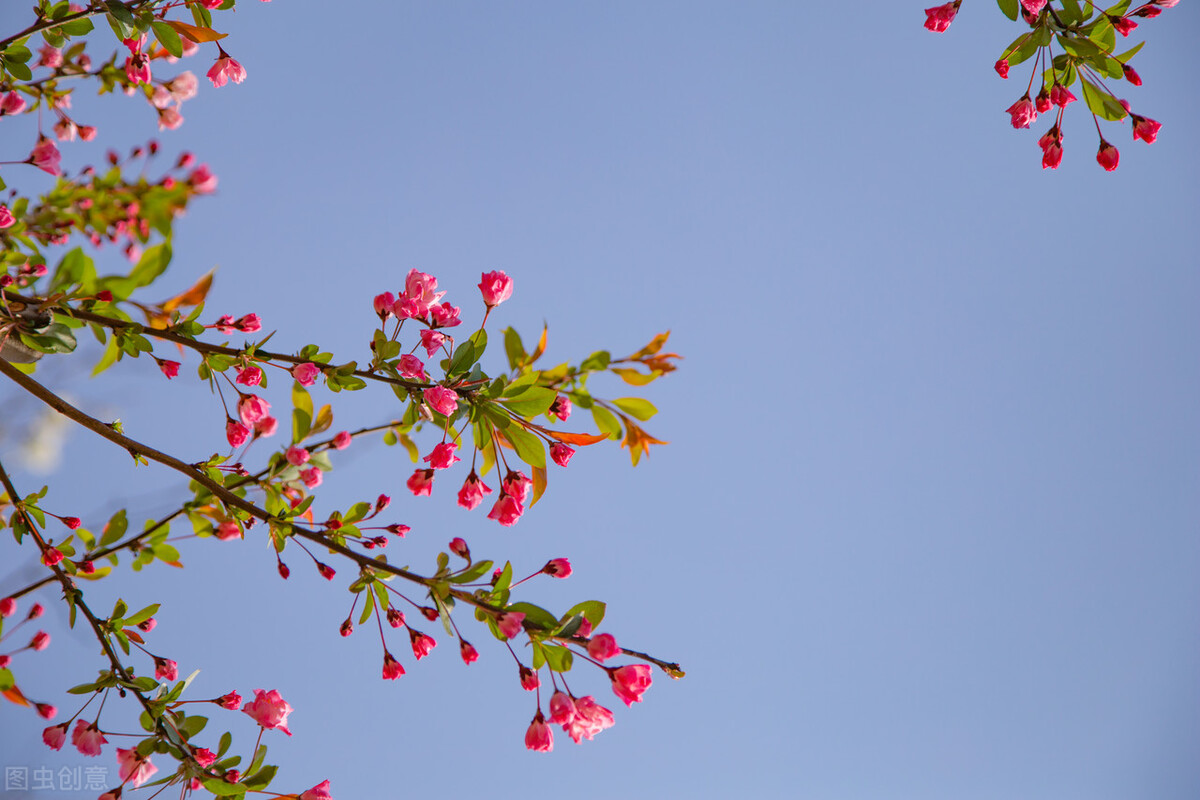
x,y
1023,112
35,611
383,304
496,287
147,625
72,522
421,643
441,399
539,737
458,546
1145,128
561,407
630,682
8,607
284,572
47,711
431,340
341,441
442,456
392,669
603,647
236,433
421,482
230,701
321,790
250,376
395,617
1002,68
51,556
529,678
327,572
346,628
312,477
55,736
266,426
469,654
938,18
87,738
510,623
412,367
561,454
296,455
306,374
228,529
472,492
558,568
562,709
169,368
1108,156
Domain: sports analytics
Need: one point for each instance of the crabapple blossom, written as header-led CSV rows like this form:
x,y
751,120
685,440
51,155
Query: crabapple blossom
x,y
166,669
228,529
510,623
1001,68
539,737
312,477
1145,128
230,701
395,617
45,156
202,180
236,433
507,510
341,441
87,738
306,374
147,625
458,546
7,220
558,568
561,407
630,682
431,340
590,718
266,426
496,287
938,18
252,408
251,375
1023,112
561,454
269,710
472,492
444,315
441,399
35,611
55,736
50,57
1108,156
421,289
1033,6
12,103
1131,75
468,652
422,644
603,647
1123,25
41,639
46,711
529,678
133,768
562,709
421,482
226,69
442,456
8,607
318,792
383,304
1060,95
169,368
296,455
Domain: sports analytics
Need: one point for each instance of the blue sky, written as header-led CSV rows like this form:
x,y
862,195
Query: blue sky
x,y
927,523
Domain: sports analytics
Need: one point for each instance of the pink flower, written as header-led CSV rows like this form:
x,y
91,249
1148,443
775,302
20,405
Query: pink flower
x,y
444,315
341,441
1002,68
561,407
12,103
306,374
41,639
203,756
422,644
55,736
137,68
252,408
133,768
496,287
472,492
421,289
442,400
1052,152
269,710
395,617
230,701
296,455
1042,101
87,738
561,454
431,340
1123,25
166,669
228,529
248,323
183,86
510,623
49,57
1060,95
558,568
442,456
507,510
266,426
469,654
87,132
147,625
1145,128
250,376
1033,6
45,156
539,737
590,718
236,433
421,483
72,522
603,647
1022,112
226,69
7,220
938,19
169,368
392,669
327,572
1131,75
46,711
630,682
1108,156
8,607
458,546
202,180
312,477
562,709
318,792
65,130
529,678
383,304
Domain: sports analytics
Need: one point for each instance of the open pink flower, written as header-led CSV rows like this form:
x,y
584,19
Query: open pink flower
x,y
411,367
169,368
392,669
1023,112
561,454
496,287
590,718
1145,128
12,103
472,492
529,678
318,792
630,682
133,768
55,736
306,374
441,399
269,710
421,289
252,408
507,510
87,738
236,433
938,18
562,709
431,340
442,456
421,483
561,407
226,69
539,737
166,669
45,156
422,644
250,376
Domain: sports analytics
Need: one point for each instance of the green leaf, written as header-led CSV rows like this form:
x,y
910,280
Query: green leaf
x,y
607,422
559,658
1102,104
223,788
56,338
472,573
152,264
592,609
529,447
114,529
1009,7
143,615
1081,48
598,360
261,778
532,401
77,27
636,407
468,353
536,615
1130,53
168,38
6,680
302,414
514,348
17,69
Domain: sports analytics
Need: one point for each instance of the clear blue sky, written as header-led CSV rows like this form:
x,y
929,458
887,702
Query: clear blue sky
x,y
927,526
